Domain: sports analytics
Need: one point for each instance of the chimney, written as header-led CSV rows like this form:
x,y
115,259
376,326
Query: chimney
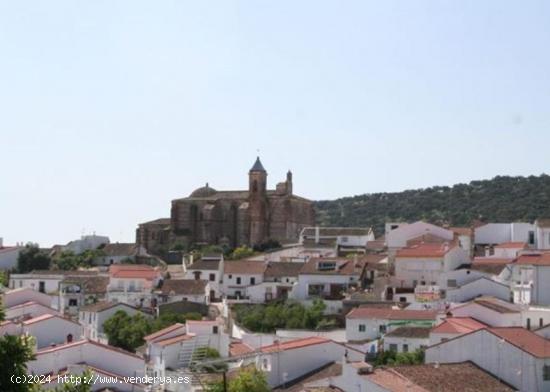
x,y
1,242
317,234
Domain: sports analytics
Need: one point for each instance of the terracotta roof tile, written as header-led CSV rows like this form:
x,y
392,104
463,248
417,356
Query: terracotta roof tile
x,y
183,287
390,314
458,325
294,344
542,259
424,250
164,331
239,348
410,332
244,267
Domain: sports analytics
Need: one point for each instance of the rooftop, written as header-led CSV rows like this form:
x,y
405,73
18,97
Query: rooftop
x,y
512,245
366,312
427,378
244,267
164,331
458,325
281,269
333,266
542,259
183,287
103,305
205,265
133,271
425,250
294,344
410,332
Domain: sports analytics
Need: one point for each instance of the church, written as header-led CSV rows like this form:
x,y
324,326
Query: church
x,y
235,217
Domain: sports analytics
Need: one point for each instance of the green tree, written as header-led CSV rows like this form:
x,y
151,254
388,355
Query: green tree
x,y
15,352
393,358
248,380
67,261
32,258
4,278
242,252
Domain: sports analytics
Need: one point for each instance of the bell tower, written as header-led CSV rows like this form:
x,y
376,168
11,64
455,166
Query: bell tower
x,y
257,200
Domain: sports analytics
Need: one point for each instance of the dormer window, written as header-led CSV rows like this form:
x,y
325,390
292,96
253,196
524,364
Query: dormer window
x,y
326,266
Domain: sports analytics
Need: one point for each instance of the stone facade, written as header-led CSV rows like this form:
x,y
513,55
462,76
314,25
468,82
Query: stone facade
x,y
244,217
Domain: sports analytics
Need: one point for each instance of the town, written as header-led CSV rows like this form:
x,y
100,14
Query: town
x,y
243,287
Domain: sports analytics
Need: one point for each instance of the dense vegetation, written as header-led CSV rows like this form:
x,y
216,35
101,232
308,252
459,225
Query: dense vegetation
x,y
127,331
247,380
392,358
288,315
32,258
502,199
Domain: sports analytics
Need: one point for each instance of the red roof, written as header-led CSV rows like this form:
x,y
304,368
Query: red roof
x,y
293,344
136,271
534,259
512,245
82,342
46,316
239,348
425,250
390,314
524,339
164,331
175,339
492,260
458,325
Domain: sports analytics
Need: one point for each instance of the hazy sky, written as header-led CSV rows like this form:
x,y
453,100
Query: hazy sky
x,y
110,109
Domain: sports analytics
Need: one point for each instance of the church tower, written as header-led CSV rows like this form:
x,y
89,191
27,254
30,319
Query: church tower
x,y
257,200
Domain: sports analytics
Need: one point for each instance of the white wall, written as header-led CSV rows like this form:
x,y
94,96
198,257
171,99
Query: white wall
x,y
298,362
31,310
479,287
99,356
498,233
231,287
17,297
338,335
53,331
412,343
51,282
8,258
487,316
505,361
398,238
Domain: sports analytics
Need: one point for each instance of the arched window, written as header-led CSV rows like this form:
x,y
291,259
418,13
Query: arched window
x,y
255,186
69,338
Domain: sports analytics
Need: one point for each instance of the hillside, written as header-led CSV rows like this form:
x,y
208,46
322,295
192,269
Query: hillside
x,y
501,199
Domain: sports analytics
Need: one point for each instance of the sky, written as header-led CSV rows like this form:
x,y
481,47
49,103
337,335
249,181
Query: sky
x,y
110,109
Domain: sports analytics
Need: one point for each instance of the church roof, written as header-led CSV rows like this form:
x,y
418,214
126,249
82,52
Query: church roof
x,y
257,166
203,191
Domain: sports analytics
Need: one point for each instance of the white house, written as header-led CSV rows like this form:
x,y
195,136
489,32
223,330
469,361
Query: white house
x,y
407,339
132,284
279,279
328,278
214,331
515,355
491,311
498,233
508,250
451,327
344,239
86,242
284,362
399,237
424,263
51,330
45,281
531,278
20,296
369,323
483,286
238,275
8,256
209,269
174,290
53,360
117,252
92,317
28,310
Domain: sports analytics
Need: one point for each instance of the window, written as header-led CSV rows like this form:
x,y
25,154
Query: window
x,y
315,289
238,280
73,302
230,276
89,318
382,329
344,239
546,372
393,347
42,286
541,322
212,277
252,281
326,266
215,329
451,282
20,283
403,299
531,238
362,328
405,348
238,294
415,282
528,323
